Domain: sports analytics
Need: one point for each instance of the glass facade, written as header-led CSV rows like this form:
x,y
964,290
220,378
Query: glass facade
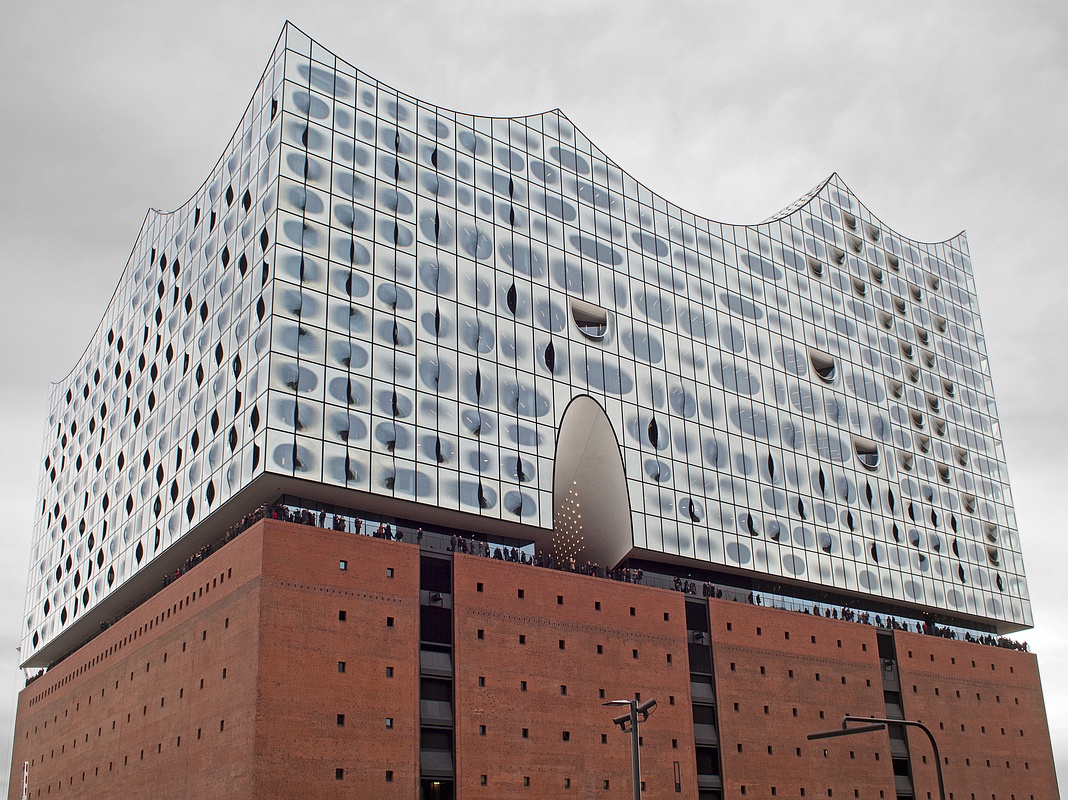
x,y
375,294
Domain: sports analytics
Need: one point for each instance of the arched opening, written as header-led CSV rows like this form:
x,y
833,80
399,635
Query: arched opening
x,y
591,509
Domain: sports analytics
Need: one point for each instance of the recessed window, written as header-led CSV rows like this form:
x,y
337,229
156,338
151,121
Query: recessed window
x,y
886,320
860,287
897,388
339,774
591,320
341,720
916,292
341,616
877,274
823,365
567,736
815,267
924,443
341,666
867,452
389,723
389,776
944,473
906,350
343,565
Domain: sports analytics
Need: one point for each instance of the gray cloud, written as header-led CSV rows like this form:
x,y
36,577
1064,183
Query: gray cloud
x,y
939,116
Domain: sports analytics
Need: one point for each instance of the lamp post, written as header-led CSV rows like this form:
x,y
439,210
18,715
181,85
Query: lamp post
x,y
878,724
631,718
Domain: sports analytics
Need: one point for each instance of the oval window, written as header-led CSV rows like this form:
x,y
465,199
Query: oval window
x,y
592,321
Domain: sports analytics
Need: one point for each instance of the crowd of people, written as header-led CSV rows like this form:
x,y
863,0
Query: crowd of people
x,y
472,546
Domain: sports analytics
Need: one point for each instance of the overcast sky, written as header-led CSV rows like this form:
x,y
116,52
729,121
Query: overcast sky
x,y
940,117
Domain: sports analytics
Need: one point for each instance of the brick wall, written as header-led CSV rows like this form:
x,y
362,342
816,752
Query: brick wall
x,y
985,708
592,618
144,709
300,741
781,675
228,681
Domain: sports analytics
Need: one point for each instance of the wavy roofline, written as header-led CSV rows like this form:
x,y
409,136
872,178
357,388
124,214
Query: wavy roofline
x,y
803,201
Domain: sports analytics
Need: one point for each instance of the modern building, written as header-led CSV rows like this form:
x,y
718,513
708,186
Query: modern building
x,y
482,333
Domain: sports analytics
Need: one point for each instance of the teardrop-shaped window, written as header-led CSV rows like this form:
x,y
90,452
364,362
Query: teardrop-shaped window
x,y
512,299
654,433
550,357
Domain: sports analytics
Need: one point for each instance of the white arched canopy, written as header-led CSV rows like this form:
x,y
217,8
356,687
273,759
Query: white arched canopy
x,y
591,509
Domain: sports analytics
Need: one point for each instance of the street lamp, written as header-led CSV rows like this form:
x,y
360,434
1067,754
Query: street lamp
x,y
631,718
878,724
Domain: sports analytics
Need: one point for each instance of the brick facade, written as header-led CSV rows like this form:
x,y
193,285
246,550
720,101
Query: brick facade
x,y
268,670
